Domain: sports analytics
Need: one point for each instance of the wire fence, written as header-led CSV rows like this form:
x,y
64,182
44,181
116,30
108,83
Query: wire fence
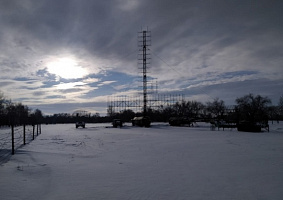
x,y
13,137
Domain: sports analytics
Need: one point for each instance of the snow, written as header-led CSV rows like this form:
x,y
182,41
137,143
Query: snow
x,y
161,162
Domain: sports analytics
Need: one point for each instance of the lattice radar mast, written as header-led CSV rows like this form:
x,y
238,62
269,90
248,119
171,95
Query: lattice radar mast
x,y
144,41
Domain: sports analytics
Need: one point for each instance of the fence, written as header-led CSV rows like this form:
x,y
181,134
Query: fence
x,y
13,137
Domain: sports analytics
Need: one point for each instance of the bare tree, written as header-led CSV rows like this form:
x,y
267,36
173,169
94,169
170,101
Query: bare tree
x,y
21,112
179,108
253,108
36,117
216,108
110,111
280,106
2,101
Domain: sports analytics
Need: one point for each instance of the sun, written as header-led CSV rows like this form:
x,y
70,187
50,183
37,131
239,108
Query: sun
x,y
66,68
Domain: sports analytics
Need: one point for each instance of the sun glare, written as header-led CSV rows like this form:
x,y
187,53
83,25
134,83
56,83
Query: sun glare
x,y
66,68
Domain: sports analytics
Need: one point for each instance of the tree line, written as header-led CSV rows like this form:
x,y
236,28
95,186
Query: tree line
x,y
250,107
17,114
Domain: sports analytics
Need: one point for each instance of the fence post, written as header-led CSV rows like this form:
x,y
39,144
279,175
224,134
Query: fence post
x,y
33,132
13,147
24,134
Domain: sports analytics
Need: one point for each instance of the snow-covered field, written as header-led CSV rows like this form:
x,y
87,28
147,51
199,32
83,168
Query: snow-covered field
x,y
160,162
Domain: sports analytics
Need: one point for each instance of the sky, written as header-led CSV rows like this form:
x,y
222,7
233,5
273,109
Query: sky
x,y
60,56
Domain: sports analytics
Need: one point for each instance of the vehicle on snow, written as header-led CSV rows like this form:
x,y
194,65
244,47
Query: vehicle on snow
x,y
141,121
80,123
117,122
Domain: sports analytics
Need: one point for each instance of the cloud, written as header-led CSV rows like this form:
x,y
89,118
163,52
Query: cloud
x,y
194,45
64,86
56,97
105,83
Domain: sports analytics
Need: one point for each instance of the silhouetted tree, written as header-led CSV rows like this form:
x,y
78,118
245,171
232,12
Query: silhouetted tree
x,y
179,108
21,112
96,115
2,101
10,112
216,108
280,106
15,113
168,112
110,111
2,109
196,108
253,108
36,117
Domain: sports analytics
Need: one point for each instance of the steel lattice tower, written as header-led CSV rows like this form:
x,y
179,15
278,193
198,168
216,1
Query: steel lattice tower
x,y
144,41
149,99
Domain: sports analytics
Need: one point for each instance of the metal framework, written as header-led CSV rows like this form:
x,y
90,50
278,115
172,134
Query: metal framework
x,y
144,41
81,113
149,99
121,103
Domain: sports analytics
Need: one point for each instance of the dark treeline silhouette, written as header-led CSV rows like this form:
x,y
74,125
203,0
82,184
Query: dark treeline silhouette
x,y
247,108
17,114
65,118
252,108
